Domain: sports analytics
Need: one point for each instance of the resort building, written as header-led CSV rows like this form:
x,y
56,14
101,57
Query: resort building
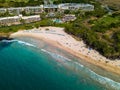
x,y
15,11
34,10
50,8
2,10
7,21
28,10
86,7
29,19
68,18
76,6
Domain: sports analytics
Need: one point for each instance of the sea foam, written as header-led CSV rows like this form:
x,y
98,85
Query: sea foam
x,y
19,41
25,43
101,79
56,56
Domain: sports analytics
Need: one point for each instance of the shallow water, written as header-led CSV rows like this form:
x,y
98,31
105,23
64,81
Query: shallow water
x,y
29,64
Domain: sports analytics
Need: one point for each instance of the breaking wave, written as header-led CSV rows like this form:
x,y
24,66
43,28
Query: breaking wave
x,y
19,41
56,56
103,80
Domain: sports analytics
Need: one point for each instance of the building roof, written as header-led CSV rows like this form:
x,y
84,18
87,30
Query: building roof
x,y
12,8
51,6
74,5
34,16
14,17
17,17
31,7
2,8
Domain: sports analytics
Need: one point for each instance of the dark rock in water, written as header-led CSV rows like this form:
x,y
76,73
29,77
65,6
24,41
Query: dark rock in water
x,y
5,42
5,38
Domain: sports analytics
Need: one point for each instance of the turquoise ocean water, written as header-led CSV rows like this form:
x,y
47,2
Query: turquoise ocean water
x,y
29,64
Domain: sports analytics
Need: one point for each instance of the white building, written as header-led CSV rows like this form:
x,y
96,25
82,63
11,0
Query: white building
x,y
68,17
7,21
3,10
76,6
29,19
50,8
18,10
15,11
34,10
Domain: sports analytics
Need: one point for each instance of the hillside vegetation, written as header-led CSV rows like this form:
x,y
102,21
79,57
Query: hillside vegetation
x,y
99,32
114,4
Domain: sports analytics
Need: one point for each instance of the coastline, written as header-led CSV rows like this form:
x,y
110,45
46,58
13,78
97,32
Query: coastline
x,y
58,38
5,36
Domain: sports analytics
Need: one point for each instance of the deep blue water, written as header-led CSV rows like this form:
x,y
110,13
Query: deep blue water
x,y
26,64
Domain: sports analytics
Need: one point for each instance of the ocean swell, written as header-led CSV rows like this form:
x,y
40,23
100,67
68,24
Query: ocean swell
x,y
66,61
103,80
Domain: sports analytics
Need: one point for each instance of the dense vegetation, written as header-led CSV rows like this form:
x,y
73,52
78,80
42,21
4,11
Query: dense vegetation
x,y
113,4
101,33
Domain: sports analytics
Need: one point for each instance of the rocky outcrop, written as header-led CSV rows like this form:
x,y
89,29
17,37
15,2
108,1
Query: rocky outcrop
x,y
5,36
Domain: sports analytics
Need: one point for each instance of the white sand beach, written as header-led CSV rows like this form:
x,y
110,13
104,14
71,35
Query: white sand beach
x,y
65,41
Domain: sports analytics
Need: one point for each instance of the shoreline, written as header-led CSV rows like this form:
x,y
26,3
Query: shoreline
x,y
5,36
55,36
